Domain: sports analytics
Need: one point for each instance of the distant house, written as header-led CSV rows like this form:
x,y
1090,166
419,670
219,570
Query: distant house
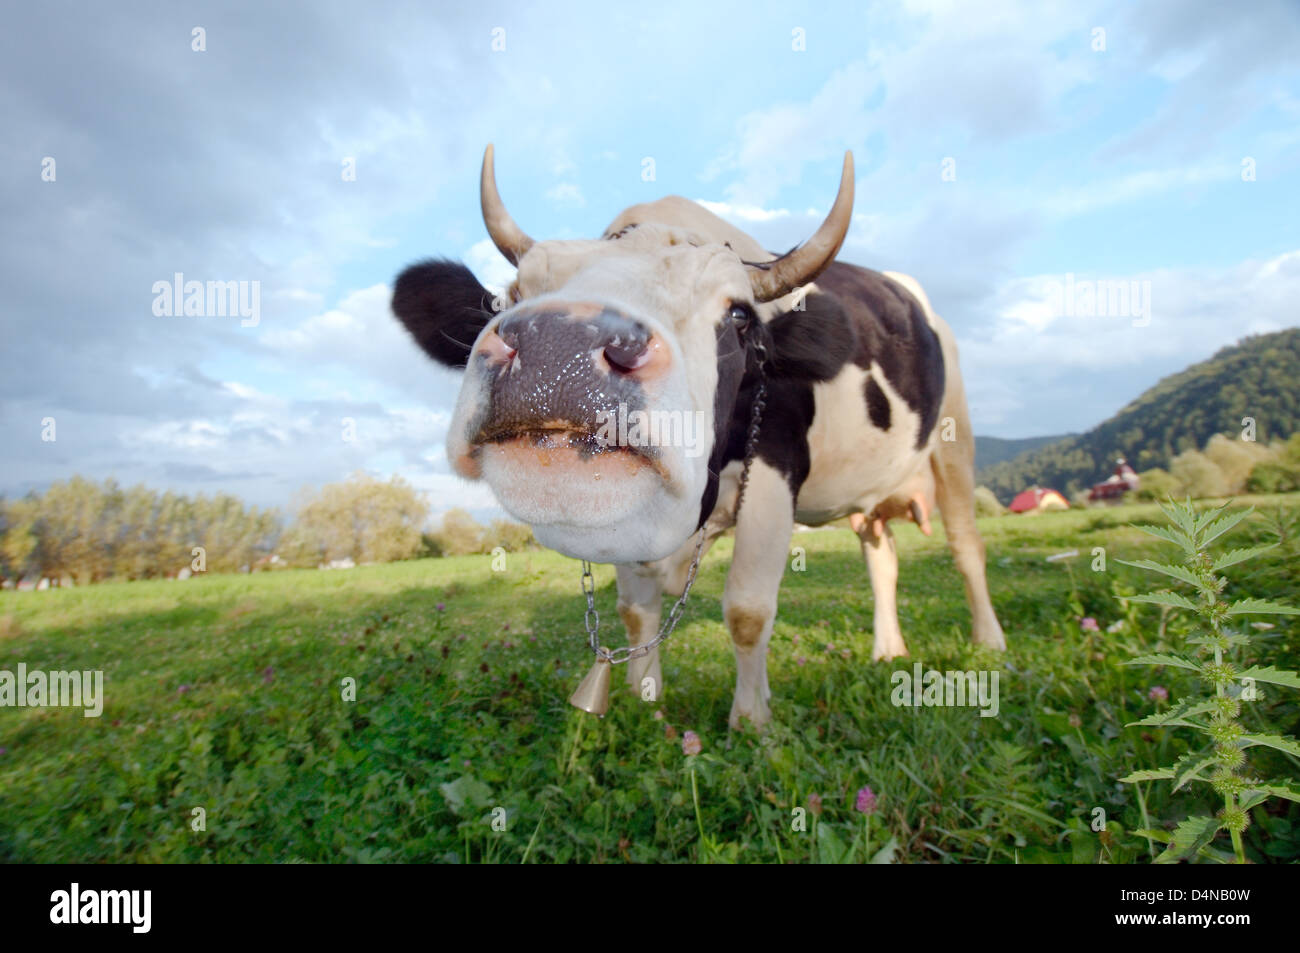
x,y
1038,499
1116,485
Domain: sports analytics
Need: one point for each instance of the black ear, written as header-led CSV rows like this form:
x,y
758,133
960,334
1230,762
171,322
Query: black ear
x,y
814,343
444,307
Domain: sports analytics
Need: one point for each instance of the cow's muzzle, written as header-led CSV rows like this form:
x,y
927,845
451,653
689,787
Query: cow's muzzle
x,y
558,372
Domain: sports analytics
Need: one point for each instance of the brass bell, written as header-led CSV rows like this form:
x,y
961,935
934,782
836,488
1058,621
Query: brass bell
x,y
592,693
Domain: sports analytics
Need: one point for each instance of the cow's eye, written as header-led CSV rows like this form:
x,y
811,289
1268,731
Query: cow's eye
x,y
740,315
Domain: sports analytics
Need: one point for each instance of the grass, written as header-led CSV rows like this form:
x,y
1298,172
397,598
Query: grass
x,y
225,694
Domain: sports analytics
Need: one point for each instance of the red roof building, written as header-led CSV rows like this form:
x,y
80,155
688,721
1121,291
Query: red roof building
x,y
1037,499
1117,484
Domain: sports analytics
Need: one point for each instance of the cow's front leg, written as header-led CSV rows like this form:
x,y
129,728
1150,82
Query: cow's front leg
x,y
763,530
639,605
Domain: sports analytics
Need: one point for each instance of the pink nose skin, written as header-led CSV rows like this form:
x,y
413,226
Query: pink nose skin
x,y
495,349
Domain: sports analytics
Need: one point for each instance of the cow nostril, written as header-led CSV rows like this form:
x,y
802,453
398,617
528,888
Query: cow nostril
x,y
498,349
627,358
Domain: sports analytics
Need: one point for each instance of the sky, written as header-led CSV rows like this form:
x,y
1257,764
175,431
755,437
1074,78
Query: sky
x,y
1011,157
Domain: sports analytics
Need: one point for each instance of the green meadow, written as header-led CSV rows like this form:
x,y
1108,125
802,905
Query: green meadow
x,y
225,711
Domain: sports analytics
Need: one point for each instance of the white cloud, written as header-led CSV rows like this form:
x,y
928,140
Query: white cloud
x,y
1137,185
489,266
743,213
567,195
774,144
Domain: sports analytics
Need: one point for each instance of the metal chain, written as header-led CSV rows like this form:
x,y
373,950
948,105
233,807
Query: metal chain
x,y
626,653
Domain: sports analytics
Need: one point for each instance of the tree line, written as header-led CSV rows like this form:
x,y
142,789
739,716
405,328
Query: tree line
x,y
1226,467
81,531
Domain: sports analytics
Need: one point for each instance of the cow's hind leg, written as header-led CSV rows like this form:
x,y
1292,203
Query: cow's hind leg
x,y
953,464
880,553
763,530
639,605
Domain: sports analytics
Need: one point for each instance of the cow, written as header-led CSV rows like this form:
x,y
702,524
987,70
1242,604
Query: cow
x,y
673,311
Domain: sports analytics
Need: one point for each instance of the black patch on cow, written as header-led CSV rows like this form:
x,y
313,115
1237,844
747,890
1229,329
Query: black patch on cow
x,y
877,405
783,432
787,414
814,342
733,360
444,308
893,333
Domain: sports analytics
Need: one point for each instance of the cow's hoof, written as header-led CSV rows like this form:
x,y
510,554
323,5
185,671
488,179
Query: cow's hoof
x,y
646,679
888,655
757,719
649,689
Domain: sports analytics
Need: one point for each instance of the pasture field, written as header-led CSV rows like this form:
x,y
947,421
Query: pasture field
x,y
224,693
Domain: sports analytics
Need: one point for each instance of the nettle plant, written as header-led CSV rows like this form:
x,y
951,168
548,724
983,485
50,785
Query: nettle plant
x,y
1221,760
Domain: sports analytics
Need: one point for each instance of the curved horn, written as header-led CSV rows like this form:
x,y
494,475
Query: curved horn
x,y
770,280
506,235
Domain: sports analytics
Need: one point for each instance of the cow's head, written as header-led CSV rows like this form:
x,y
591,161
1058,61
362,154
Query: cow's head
x,y
599,387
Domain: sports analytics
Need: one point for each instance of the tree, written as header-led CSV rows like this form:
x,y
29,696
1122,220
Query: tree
x,y
1197,476
1157,484
22,543
986,504
511,536
459,534
1273,477
362,519
1235,459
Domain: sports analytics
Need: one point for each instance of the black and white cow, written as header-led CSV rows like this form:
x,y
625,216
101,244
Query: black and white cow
x,y
661,319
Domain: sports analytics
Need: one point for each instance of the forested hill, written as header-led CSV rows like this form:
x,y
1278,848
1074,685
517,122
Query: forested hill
x,y
1257,377
991,450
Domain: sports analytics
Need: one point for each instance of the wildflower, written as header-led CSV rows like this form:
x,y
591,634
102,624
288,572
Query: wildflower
x,y
1075,720
815,805
801,661
1116,626
846,653
866,803
4,751
268,675
441,607
670,732
1158,693
182,690
1089,624
691,744
659,715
